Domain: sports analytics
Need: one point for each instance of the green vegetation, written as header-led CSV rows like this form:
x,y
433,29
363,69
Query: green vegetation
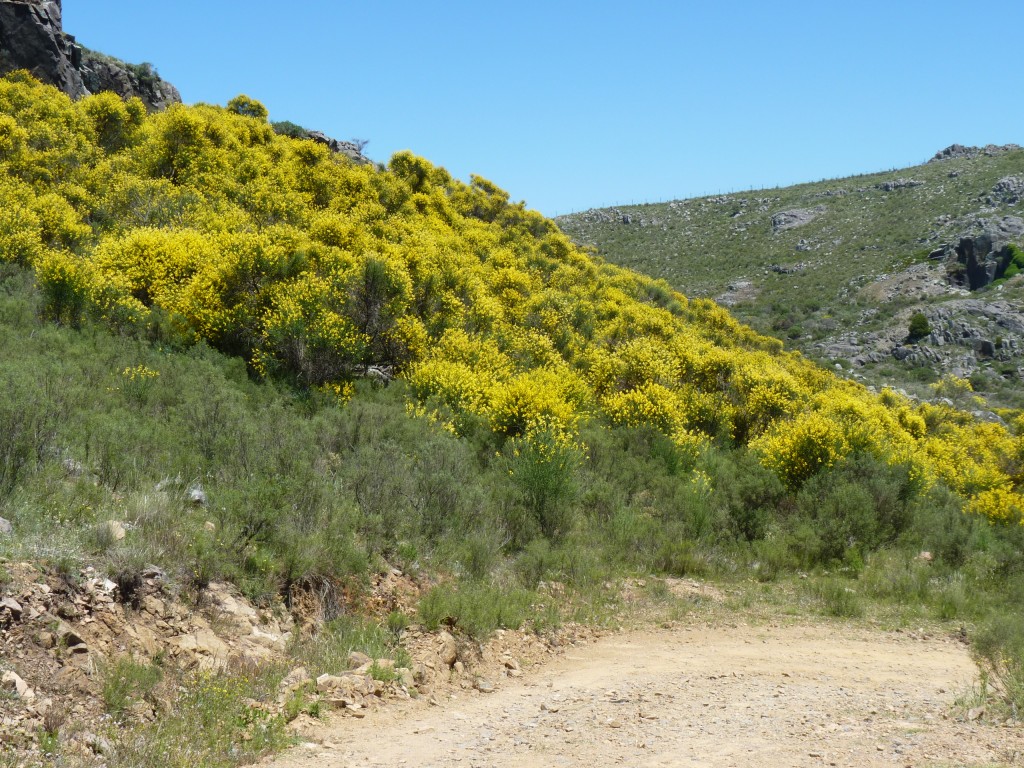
x,y
328,651
824,278
364,367
919,327
1016,262
126,680
211,722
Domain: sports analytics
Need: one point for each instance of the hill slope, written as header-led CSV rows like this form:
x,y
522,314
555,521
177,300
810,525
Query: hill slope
x,y
235,355
201,224
836,268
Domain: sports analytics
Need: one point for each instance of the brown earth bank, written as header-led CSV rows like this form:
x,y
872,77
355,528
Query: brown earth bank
x,y
809,694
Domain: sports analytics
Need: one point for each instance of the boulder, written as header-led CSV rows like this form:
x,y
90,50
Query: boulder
x,y
892,186
795,217
12,606
13,683
979,259
197,496
357,660
112,529
447,650
1009,190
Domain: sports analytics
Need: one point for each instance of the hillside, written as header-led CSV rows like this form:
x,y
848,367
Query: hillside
x,y
837,268
239,364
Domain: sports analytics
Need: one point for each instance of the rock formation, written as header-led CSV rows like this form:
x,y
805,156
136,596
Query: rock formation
x,y
979,259
32,37
350,149
954,151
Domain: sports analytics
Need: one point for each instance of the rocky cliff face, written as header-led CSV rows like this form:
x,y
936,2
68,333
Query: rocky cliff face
x,y
32,37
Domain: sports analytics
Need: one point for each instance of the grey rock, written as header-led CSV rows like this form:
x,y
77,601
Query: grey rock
x,y
954,151
892,186
795,217
979,259
1009,190
102,73
32,37
6,527
484,686
12,606
984,347
350,149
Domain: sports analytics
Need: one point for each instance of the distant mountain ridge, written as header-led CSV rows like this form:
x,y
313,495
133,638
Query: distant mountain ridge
x,y
837,268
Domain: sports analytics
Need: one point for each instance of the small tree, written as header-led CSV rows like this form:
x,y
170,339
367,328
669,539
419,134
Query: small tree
x,y
247,107
919,327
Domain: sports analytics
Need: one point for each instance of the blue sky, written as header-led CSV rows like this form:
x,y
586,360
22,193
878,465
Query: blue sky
x,y
572,105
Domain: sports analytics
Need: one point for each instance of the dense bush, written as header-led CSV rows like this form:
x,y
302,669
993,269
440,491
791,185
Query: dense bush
x,y
919,327
549,418
202,224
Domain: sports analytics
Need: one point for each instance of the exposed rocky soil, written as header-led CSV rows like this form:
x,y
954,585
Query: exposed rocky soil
x,y
56,633
733,695
699,692
59,632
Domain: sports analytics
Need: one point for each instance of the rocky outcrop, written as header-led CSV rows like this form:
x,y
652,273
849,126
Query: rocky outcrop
x,y
966,335
979,259
954,151
102,73
32,37
1009,190
797,217
351,149
892,186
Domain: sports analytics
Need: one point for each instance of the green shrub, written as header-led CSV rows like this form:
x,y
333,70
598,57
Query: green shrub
x,y
215,719
1000,644
125,681
838,598
288,128
897,576
542,472
476,609
327,651
919,327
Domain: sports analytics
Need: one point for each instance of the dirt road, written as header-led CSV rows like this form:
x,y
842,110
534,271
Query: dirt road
x,y
808,695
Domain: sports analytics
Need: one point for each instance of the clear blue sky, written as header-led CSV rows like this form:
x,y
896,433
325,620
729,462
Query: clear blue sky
x,y
572,105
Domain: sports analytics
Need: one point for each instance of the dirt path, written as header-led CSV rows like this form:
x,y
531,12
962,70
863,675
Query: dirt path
x,y
811,695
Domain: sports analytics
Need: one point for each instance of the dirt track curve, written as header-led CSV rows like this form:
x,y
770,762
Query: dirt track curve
x,y
807,695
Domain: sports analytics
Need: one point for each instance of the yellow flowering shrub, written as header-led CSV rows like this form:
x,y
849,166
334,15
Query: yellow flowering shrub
x,y
797,449
203,221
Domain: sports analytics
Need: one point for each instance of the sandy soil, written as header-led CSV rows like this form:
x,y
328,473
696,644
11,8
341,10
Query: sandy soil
x,y
805,695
